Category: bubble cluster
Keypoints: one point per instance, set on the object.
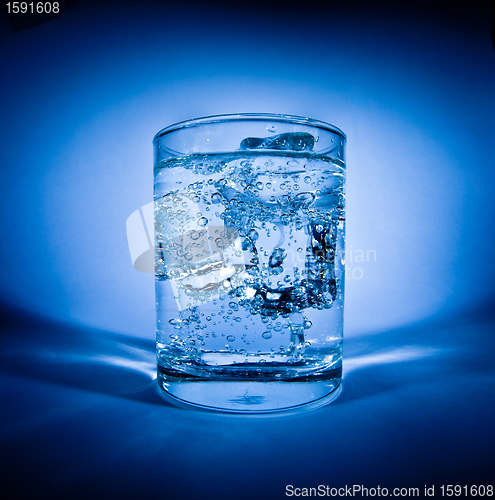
(266, 227)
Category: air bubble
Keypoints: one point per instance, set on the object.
(303, 199)
(253, 234)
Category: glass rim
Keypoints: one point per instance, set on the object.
(250, 116)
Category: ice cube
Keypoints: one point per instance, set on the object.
(289, 141)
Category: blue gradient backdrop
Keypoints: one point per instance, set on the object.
(412, 86)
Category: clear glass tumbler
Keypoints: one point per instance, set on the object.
(249, 261)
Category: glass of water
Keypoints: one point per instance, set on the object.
(249, 261)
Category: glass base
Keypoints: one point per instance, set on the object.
(250, 396)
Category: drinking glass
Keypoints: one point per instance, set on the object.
(249, 261)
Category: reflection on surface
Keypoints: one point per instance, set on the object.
(77, 357)
(125, 366)
(83, 411)
(398, 355)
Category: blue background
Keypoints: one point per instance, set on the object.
(412, 86)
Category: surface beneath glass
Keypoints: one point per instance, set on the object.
(84, 415)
